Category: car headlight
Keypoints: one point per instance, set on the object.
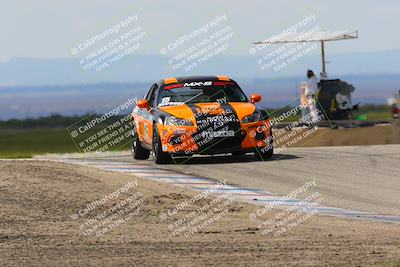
(252, 118)
(174, 121)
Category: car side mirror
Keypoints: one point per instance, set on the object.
(143, 103)
(254, 98)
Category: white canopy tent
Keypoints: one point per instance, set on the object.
(311, 36)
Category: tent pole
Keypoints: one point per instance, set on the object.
(323, 57)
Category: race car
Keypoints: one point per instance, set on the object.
(204, 115)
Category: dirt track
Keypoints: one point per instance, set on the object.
(38, 198)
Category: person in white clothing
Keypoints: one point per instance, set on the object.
(312, 82)
(305, 110)
(310, 92)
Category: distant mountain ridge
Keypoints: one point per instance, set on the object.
(35, 101)
(143, 68)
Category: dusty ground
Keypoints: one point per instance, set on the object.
(382, 134)
(37, 199)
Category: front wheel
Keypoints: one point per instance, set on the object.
(138, 152)
(268, 151)
(160, 157)
(265, 153)
(238, 154)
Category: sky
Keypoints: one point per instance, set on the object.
(49, 28)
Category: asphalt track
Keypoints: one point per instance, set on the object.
(354, 181)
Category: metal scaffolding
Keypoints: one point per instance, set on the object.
(311, 36)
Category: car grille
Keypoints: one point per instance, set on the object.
(219, 123)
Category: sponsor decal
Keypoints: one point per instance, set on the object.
(192, 84)
(216, 134)
(220, 118)
(197, 84)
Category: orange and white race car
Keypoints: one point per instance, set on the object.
(199, 115)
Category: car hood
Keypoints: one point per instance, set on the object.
(187, 111)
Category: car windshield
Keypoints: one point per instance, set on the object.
(200, 92)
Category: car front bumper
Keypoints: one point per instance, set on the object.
(185, 140)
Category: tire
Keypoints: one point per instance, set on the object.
(138, 152)
(264, 154)
(267, 152)
(160, 157)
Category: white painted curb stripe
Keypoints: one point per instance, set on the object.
(254, 196)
